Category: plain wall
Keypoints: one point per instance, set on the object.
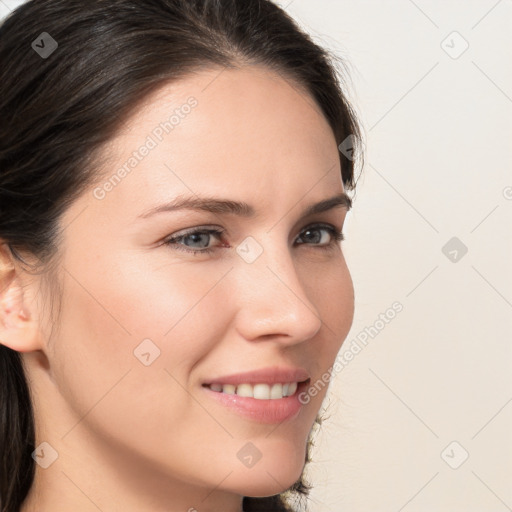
(433, 385)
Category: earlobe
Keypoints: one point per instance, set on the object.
(18, 330)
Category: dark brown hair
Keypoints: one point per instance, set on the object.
(58, 110)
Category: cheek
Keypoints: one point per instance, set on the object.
(129, 314)
(331, 291)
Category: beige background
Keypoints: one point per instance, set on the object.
(433, 385)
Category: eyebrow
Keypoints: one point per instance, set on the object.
(240, 208)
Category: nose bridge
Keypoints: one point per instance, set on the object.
(274, 300)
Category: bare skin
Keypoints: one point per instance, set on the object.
(132, 437)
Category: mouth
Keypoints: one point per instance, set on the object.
(260, 391)
(260, 402)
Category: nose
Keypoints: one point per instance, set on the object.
(273, 301)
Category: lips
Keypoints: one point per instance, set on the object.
(270, 411)
(270, 375)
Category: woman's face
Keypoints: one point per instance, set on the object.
(145, 324)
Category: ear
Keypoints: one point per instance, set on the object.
(18, 327)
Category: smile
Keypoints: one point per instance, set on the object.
(259, 391)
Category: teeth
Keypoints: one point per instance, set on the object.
(244, 390)
(229, 389)
(292, 387)
(258, 391)
(276, 391)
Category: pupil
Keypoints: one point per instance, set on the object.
(308, 232)
(194, 236)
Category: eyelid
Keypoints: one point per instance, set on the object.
(225, 231)
(209, 229)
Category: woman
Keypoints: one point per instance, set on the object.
(172, 197)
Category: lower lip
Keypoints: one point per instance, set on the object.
(263, 411)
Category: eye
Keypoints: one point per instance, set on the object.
(195, 235)
(202, 235)
(336, 235)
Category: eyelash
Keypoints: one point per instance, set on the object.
(337, 236)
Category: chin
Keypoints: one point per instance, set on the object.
(262, 482)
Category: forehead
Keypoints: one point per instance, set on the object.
(249, 130)
(226, 107)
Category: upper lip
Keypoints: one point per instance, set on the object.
(271, 375)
